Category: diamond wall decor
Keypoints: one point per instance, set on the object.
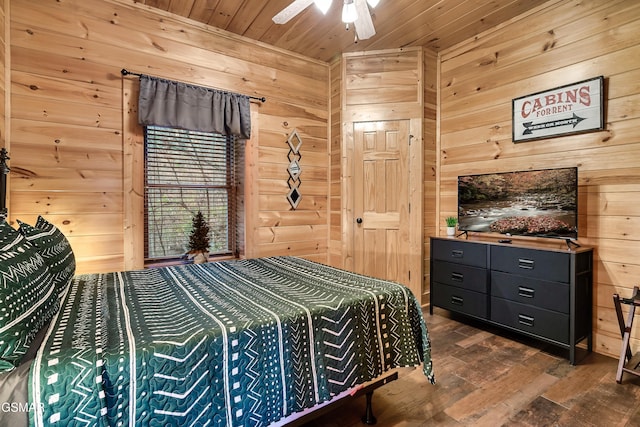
(294, 169)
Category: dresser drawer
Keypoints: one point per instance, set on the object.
(545, 265)
(537, 321)
(459, 251)
(462, 276)
(459, 300)
(525, 290)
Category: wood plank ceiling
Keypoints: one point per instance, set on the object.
(436, 24)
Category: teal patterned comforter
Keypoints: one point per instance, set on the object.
(235, 343)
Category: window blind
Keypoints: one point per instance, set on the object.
(186, 172)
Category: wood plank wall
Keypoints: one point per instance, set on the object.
(67, 129)
(559, 43)
(336, 239)
(429, 170)
(4, 27)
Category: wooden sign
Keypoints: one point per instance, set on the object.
(565, 110)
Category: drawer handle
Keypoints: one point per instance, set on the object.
(457, 300)
(526, 292)
(527, 264)
(457, 277)
(457, 253)
(525, 320)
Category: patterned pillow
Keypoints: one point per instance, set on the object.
(28, 295)
(7, 233)
(54, 248)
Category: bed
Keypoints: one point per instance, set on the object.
(250, 342)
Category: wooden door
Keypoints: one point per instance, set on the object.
(381, 199)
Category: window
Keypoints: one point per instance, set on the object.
(186, 172)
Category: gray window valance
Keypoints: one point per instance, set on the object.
(183, 106)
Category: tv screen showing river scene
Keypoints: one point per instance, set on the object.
(539, 203)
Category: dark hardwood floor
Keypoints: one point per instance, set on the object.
(488, 377)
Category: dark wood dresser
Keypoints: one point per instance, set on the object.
(543, 291)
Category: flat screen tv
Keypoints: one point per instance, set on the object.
(540, 203)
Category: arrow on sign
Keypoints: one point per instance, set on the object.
(530, 127)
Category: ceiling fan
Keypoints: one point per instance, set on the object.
(354, 12)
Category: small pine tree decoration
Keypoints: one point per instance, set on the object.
(199, 239)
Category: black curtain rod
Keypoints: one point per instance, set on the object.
(126, 72)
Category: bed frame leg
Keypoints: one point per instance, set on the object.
(368, 417)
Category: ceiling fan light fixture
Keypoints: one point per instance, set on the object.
(349, 12)
(323, 5)
(373, 3)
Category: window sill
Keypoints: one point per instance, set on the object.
(173, 262)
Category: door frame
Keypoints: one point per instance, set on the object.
(416, 230)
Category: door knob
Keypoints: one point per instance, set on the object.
(359, 220)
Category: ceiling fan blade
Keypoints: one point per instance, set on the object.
(286, 14)
(364, 23)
